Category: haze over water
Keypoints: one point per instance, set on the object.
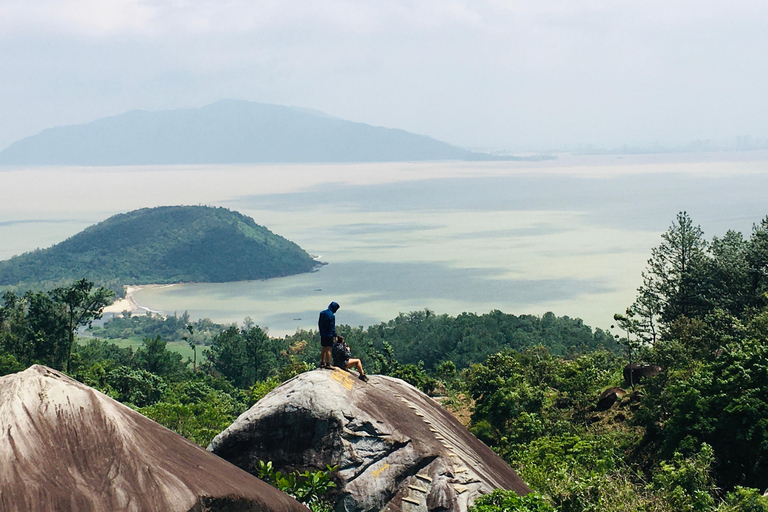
(570, 235)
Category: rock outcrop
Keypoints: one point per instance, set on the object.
(66, 447)
(609, 397)
(634, 373)
(396, 448)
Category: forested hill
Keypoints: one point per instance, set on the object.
(163, 245)
(226, 132)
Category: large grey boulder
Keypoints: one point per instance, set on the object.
(396, 448)
(65, 447)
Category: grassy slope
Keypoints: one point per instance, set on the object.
(181, 347)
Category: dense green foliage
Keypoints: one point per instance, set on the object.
(246, 355)
(521, 396)
(308, 487)
(508, 501)
(44, 285)
(692, 278)
(168, 244)
(41, 327)
(171, 328)
(708, 308)
(197, 408)
(467, 338)
(422, 338)
(720, 399)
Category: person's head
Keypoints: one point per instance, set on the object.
(339, 339)
(334, 306)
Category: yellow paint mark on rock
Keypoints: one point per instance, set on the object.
(378, 471)
(343, 378)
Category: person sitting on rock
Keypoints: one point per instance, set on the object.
(342, 357)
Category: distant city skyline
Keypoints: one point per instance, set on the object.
(738, 143)
(496, 74)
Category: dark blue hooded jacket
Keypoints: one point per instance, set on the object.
(326, 324)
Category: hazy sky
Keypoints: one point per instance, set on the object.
(483, 73)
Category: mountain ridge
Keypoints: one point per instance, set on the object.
(227, 132)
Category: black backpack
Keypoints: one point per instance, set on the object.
(340, 354)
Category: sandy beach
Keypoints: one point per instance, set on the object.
(129, 303)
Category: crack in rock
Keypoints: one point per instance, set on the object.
(378, 444)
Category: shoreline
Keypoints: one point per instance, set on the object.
(129, 304)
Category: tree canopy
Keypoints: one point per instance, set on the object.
(167, 244)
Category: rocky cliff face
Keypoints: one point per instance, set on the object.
(396, 448)
(66, 447)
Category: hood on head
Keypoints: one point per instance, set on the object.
(333, 306)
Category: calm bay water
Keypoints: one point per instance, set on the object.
(569, 235)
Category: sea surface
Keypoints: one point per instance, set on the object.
(569, 235)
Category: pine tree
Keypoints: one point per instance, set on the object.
(671, 285)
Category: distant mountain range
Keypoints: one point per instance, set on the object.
(227, 132)
(167, 244)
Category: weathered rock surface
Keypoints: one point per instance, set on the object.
(609, 397)
(396, 448)
(66, 447)
(634, 373)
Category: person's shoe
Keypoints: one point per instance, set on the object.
(363, 377)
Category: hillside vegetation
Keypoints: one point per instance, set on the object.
(543, 392)
(167, 244)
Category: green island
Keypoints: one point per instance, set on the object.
(167, 244)
(551, 395)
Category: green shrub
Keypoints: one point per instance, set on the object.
(9, 364)
(744, 499)
(260, 389)
(686, 483)
(583, 473)
(309, 487)
(137, 387)
(508, 501)
(416, 376)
